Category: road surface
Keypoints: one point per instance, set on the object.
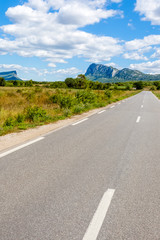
(96, 179)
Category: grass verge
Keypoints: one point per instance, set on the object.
(23, 108)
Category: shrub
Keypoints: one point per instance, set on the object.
(63, 101)
(36, 114)
(153, 88)
(2, 82)
(29, 83)
(19, 91)
(20, 118)
(85, 96)
(58, 84)
(10, 122)
(67, 112)
(139, 85)
(15, 83)
(54, 98)
(108, 93)
(158, 87)
(128, 87)
(78, 108)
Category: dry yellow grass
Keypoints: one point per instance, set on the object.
(15, 100)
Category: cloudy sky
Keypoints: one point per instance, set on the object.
(49, 40)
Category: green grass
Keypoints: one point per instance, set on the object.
(156, 93)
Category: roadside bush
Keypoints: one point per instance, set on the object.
(158, 87)
(67, 112)
(108, 93)
(35, 114)
(139, 85)
(10, 122)
(20, 118)
(153, 88)
(85, 97)
(78, 108)
(64, 101)
(54, 98)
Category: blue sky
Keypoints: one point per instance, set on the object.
(49, 40)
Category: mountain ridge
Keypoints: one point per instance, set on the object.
(102, 73)
(10, 75)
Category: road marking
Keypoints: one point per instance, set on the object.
(119, 103)
(20, 147)
(138, 119)
(101, 111)
(80, 121)
(112, 106)
(141, 106)
(99, 216)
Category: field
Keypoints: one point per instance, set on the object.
(157, 93)
(27, 107)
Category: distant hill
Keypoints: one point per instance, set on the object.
(11, 75)
(102, 73)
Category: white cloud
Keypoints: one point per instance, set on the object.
(80, 14)
(136, 48)
(17, 66)
(54, 35)
(68, 71)
(150, 9)
(147, 67)
(130, 24)
(51, 65)
(22, 70)
(143, 43)
(134, 56)
(116, 1)
(112, 64)
(156, 54)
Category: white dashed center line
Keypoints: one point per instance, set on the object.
(101, 111)
(80, 121)
(138, 119)
(99, 216)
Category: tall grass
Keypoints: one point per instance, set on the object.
(22, 108)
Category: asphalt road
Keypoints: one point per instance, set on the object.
(96, 179)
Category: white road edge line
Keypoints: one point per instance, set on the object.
(112, 106)
(141, 106)
(119, 103)
(138, 119)
(80, 121)
(99, 216)
(20, 147)
(101, 111)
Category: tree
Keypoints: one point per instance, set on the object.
(29, 83)
(139, 85)
(15, 83)
(2, 81)
(81, 81)
(70, 82)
